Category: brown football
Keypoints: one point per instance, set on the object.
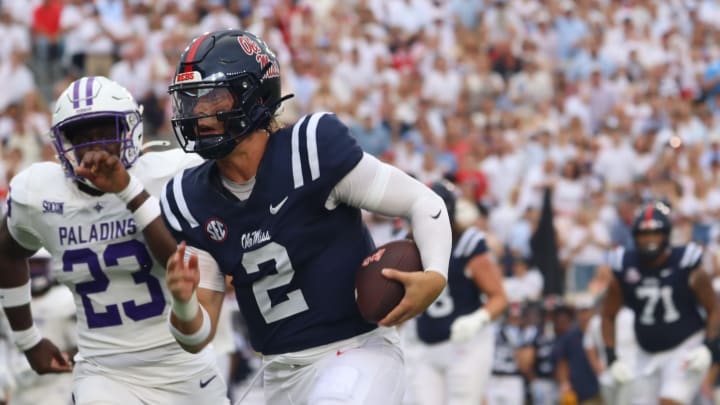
(375, 294)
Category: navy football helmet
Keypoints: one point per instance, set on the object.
(216, 64)
(653, 217)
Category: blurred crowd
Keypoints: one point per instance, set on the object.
(603, 103)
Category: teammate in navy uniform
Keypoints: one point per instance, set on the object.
(457, 339)
(278, 210)
(512, 358)
(668, 292)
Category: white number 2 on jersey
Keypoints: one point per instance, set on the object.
(652, 295)
(295, 302)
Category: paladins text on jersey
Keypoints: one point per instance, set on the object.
(81, 234)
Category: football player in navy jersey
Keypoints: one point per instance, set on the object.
(278, 210)
(455, 333)
(668, 292)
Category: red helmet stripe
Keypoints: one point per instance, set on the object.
(190, 56)
(649, 213)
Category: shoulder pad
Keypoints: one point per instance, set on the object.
(616, 259)
(691, 256)
(471, 243)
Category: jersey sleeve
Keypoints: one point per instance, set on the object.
(172, 202)
(323, 151)
(692, 256)
(21, 212)
(471, 243)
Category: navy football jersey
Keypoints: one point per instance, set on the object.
(508, 339)
(460, 297)
(543, 342)
(666, 310)
(292, 259)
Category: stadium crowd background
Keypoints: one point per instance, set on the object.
(604, 103)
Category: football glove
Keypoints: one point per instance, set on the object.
(466, 326)
(620, 372)
(698, 359)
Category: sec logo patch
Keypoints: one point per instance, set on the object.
(216, 230)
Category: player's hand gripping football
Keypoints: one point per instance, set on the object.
(421, 289)
(46, 358)
(104, 170)
(182, 276)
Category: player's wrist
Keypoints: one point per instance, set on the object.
(27, 339)
(713, 344)
(147, 212)
(132, 190)
(195, 338)
(610, 355)
(186, 310)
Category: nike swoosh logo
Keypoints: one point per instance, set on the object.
(275, 208)
(204, 384)
(436, 216)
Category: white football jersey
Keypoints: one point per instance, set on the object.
(99, 252)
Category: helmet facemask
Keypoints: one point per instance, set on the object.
(68, 138)
(87, 106)
(650, 249)
(243, 113)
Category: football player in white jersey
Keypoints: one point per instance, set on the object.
(126, 354)
(54, 313)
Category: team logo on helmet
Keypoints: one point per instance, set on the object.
(216, 230)
(263, 55)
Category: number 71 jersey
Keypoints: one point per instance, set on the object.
(665, 307)
(98, 252)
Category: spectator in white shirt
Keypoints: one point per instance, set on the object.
(525, 283)
(584, 248)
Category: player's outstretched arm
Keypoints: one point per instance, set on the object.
(610, 308)
(195, 311)
(43, 356)
(108, 174)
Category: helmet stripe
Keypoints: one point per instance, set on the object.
(76, 93)
(88, 90)
(190, 56)
(649, 213)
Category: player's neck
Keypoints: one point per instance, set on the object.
(243, 162)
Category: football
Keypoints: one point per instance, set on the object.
(375, 294)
